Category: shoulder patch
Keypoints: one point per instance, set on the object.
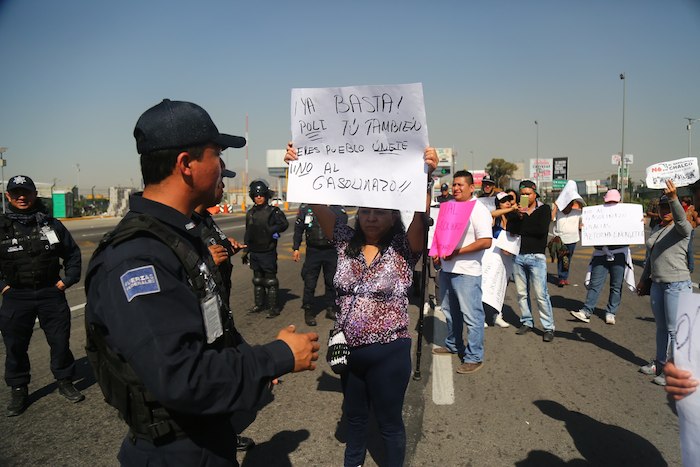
(140, 281)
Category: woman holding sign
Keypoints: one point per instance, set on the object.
(667, 268)
(375, 270)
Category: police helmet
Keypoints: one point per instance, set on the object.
(259, 188)
(444, 187)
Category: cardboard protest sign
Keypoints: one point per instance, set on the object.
(686, 356)
(452, 220)
(359, 146)
(615, 224)
(683, 172)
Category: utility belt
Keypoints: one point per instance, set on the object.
(35, 285)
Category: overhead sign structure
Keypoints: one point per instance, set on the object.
(629, 159)
(618, 224)
(683, 172)
(359, 146)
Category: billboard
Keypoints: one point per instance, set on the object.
(541, 170)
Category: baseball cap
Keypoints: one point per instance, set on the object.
(664, 200)
(612, 196)
(21, 181)
(487, 179)
(502, 197)
(226, 173)
(179, 124)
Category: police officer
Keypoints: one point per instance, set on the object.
(159, 337)
(221, 249)
(444, 193)
(263, 226)
(320, 253)
(32, 245)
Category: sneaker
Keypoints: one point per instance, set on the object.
(609, 318)
(548, 336)
(566, 282)
(500, 322)
(486, 324)
(561, 283)
(442, 351)
(649, 368)
(67, 390)
(469, 367)
(581, 316)
(524, 329)
(659, 379)
(244, 443)
(19, 401)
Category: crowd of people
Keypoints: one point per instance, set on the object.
(161, 336)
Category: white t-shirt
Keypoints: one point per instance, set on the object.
(479, 226)
(566, 226)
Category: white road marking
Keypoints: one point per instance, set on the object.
(77, 307)
(443, 374)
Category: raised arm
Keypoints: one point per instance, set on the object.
(416, 232)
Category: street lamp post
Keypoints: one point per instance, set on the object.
(621, 178)
(537, 153)
(689, 127)
(2, 174)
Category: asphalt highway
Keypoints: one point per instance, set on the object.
(576, 401)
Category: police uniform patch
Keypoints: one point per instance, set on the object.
(140, 281)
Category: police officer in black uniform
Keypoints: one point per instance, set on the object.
(444, 193)
(320, 253)
(32, 245)
(263, 226)
(159, 336)
(221, 249)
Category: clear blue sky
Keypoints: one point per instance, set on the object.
(76, 75)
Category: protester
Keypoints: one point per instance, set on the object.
(530, 265)
(488, 187)
(460, 281)
(375, 270)
(32, 247)
(505, 207)
(263, 225)
(444, 193)
(566, 216)
(667, 266)
(653, 213)
(159, 337)
(320, 254)
(612, 260)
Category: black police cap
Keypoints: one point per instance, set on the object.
(178, 124)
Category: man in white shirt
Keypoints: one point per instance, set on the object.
(460, 281)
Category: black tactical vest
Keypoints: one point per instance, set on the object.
(257, 224)
(120, 385)
(314, 233)
(28, 260)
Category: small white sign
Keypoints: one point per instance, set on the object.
(616, 224)
(683, 172)
(359, 146)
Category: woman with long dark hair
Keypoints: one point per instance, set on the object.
(375, 270)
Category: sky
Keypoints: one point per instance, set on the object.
(75, 75)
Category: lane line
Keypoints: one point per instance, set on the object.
(442, 372)
(77, 307)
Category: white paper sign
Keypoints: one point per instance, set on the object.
(495, 269)
(359, 146)
(686, 356)
(434, 211)
(615, 224)
(506, 241)
(683, 172)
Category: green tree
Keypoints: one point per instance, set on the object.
(500, 170)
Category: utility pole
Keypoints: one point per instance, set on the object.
(623, 172)
(689, 127)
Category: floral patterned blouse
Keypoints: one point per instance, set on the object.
(373, 300)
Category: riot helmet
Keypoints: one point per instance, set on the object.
(259, 188)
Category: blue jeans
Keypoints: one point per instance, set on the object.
(377, 378)
(600, 268)
(664, 304)
(530, 273)
(462, 303)
(563, 275)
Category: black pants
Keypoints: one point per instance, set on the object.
(317, 259)
(265, 261)
(18, 313)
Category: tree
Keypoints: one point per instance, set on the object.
(500, 170)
